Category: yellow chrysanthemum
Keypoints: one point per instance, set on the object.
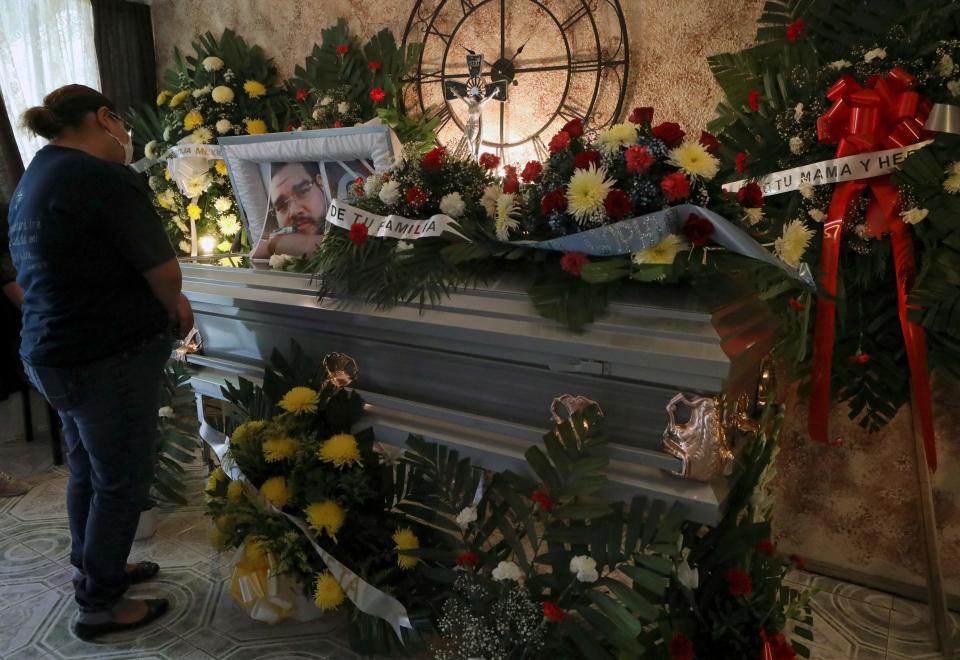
(166, 173)
(406, 540)
(256, 126)
(663, 253)
(193, 211)
(254, 89)
(585, 194)
(192, 120)
(617, 136)
(326, 516)
(793, 242)
(162, 97)
(277, 449)
(166, 199)
(234, 491)
(215, 478)
(246, 432)
(179, 98)
(328, 594)
(694, 159)
(221, 167)
(275, 491)
(300, 400)
(341, 450)
(254, 550)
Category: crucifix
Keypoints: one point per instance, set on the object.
(475, 93)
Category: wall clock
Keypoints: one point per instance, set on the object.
(557, 59)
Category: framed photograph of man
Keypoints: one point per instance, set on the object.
(285, 182)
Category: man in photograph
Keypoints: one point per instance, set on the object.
(299, 204)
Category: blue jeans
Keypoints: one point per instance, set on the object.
(109, 413)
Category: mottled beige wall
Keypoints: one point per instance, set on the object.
(852, 506)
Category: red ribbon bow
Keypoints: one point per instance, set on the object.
(884, 114)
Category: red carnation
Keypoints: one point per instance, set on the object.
(433, 159)
(468, 559)
(542, 499)
(415, 196)
(766, 547)
(377, 94)
(559, 142)
(555, 200)
(741, 162)
(859, 358)
(709, 142)
(338, 124)
(750, 196)
(739, 582)
(669, 132)
(795, 29)
(796, 304)
(489, 161)
(585, 159)
(681, 648)
(531, 171)
(617, 204)
(697, 229)
(753, 100)
(358, 184)
(642, 115)
(358, 233)
(573, 128)
(573, 263)
(675, 186)
(798, 562)
(374, 65)
(302, 95)
(342, 49)
(511, 184)
(780, 648)
(292, 126)
(552, 612)
(639, 159)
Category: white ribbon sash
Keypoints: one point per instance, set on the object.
(345, 216)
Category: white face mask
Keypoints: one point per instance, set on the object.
(126, 146)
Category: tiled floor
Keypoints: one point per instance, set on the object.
(36, 604)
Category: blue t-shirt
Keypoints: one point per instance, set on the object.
(82, 233)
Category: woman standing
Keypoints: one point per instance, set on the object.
(101, 292)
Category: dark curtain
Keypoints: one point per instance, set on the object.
(11, 164)
(123, 34)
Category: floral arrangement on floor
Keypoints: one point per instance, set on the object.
(224, 88)
(889, 258)
(176, 437)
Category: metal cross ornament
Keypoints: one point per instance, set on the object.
(475, 93)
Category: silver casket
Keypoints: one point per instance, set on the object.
(479, 371)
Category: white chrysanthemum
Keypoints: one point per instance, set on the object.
(817, 215)
(753, 216)
(840, 64)
(184, 247)
(150, 149)
(466, 516)
(154, 183)
(585, 568)
(278, 261)
(317, 114)
(796, 144)
(404, 246)
(212, 63)
(166, 134)
(663, 253)
(343, 107)
(181, 225)
(197, 185)
(914, 215)
(617, 136)
(505, 220)
(954, 87)
(489, 200)
(371, 185)
(953, 169)
(806, 190)
(223, 204)
(586, 192)
(507, 570)
(229, 225)
(223, 126)
(166, 411)
(390, 192)
(222, 94)
(874, 54)
(793, 243)
(453, 205)
(946, 66)
(202, 135)
(798, 112)
(325, 101)
(952, 184)
(688, 577)
(694, 159)
(201, 91)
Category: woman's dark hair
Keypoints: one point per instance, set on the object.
(62, 108)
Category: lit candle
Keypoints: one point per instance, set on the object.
(207, 244)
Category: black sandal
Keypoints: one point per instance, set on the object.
(144, 571)
(156, 607)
